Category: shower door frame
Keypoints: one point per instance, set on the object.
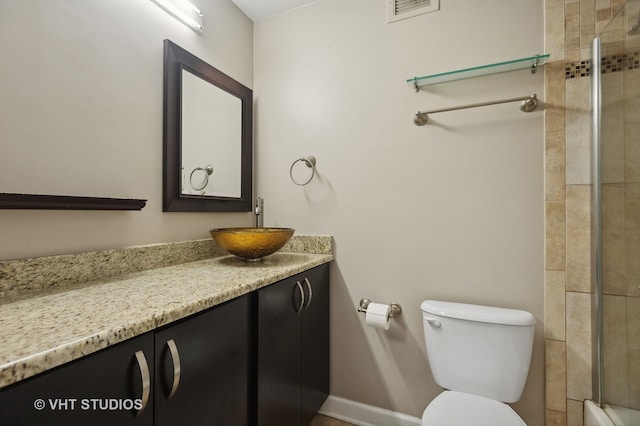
(596, 222)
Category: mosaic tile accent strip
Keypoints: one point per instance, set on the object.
(580, 69)
(611, 63)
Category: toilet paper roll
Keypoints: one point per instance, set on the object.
(378, 315)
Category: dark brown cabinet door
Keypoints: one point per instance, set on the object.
(293, 348)
(202, 368)
(315, 344)
(104, 388)
(279, 340)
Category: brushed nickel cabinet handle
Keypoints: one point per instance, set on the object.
(175, 357)
(301, 290)
(146, 380)
(306, 280)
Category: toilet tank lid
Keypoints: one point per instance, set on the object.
(479, 313)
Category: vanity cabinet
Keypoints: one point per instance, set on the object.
(202, 368)
(259, 359)
(205, 370)
(293, 348)
(98, 389)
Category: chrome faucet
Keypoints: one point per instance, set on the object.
(259, 211)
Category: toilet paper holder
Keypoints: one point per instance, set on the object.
(395, 311)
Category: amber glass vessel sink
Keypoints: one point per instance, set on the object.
(251, 243)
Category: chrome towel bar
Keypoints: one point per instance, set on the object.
(527, 104)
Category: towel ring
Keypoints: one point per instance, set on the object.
(207, 172)
(310, 161)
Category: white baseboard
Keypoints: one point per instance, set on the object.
(364, 415)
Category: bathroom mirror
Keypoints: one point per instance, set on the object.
(208, 133)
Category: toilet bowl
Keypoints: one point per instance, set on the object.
(452, 408)
(481, 356)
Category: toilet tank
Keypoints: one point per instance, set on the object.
(476, 349)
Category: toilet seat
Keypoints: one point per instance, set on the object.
(452, 408)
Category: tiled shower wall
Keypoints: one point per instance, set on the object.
(570, 26)
(621, 224)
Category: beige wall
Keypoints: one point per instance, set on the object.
(450, 211)
(570, 26)
(81, 114)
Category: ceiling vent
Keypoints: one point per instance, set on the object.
(402, 9)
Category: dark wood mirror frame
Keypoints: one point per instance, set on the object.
(175, 60)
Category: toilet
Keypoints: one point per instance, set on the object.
(480, 355)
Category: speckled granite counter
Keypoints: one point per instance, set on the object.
(50, 327)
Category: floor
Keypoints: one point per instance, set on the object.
(321, 420)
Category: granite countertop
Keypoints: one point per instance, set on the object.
(46, 329)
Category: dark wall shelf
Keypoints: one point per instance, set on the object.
(65, 202)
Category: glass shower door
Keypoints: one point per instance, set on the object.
(616, 84)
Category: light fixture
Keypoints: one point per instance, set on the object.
(184, 11)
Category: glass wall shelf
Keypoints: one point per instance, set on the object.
(531, 62)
